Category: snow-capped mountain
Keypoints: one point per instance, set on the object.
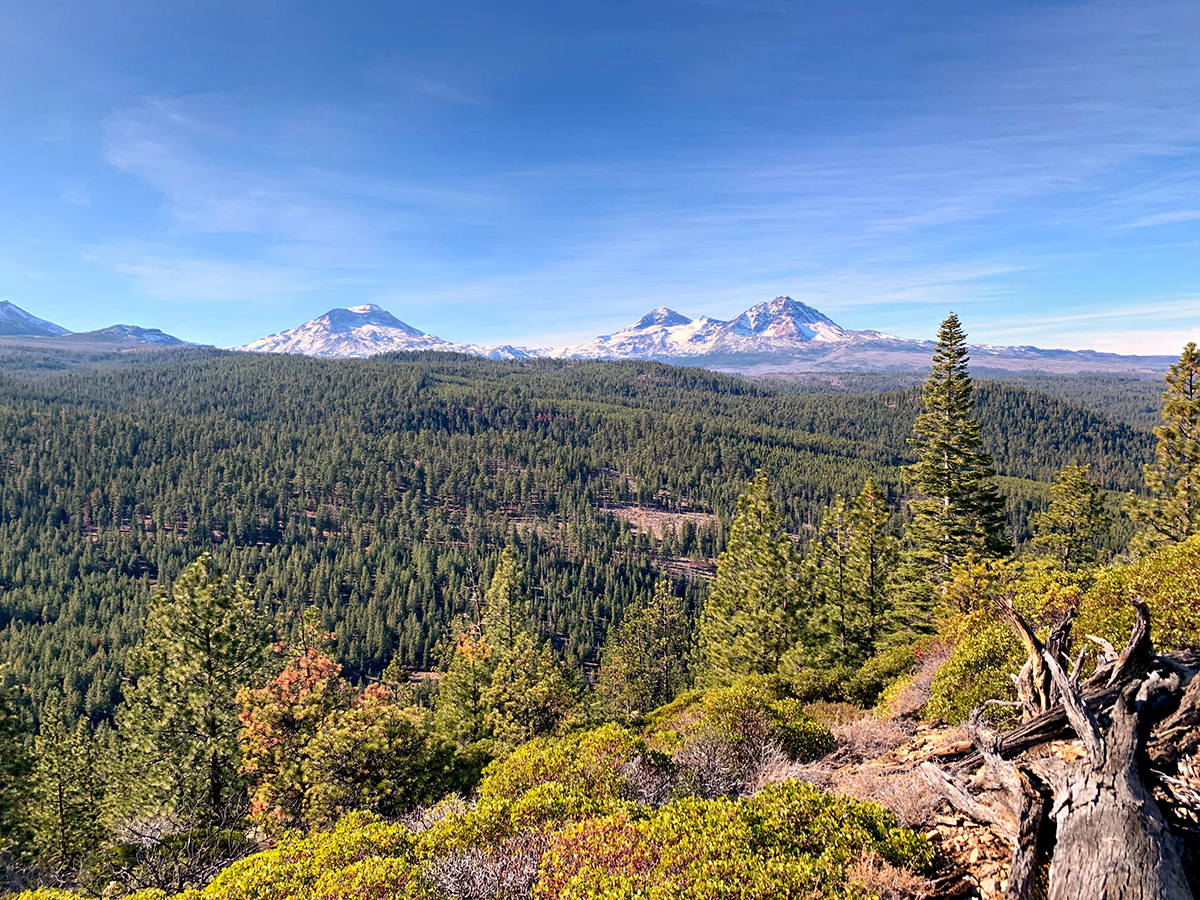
(661, 332)
(357, 331)
(783, 335)
(775, 326)
(365, 331)
(778, 335)
(15, 321)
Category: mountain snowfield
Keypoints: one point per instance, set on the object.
(15, 321)
(780, 325)
(365, 331)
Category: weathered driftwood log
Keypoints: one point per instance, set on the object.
(1086, 827)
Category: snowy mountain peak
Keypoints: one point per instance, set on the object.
(660, 317)
(15, 321)
(368, 314)
(786, 319)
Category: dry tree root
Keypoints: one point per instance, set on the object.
(1087, 824)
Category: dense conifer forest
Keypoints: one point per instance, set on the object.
(432, 626)
(382, 490)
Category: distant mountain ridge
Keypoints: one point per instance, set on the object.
(776, 336)
(16, 322)
(779, 335)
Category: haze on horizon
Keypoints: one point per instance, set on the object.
(535, 173)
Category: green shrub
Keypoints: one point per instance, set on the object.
(291, 869)
(544, 783)
(978, 669)
(860, 685)
(746, 716)
(1169, 582)
(803, 737)
(812, 684)
(790, 840)
(877, 673)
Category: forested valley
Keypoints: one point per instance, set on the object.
(428, 625)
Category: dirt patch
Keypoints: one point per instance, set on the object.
(656, 520)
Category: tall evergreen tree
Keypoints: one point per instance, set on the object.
(1069, 530)
(829, 573)
(460, 709)
(1172, 512)
(643, 664)
(203, 641)
(752, 615)
(14, 771)
(874, 557)
(958, 510)
(67, 790)
(505, 610)
(528, 695)
(852, 566)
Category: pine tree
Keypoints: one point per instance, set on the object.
(958, 510)
(752, 616)
(874, 558)
(460, 709)
(1069, 530)
(505, 610)
(14, 771)
(279, 720)
(528, 695)
(643, 663)
(851, 566)
(829, 570)
(67, 791)
(203, 641)
(1172, 512)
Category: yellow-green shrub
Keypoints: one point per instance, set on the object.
(291, 869)
(790, 840)
(1169, 582)
(746, 715)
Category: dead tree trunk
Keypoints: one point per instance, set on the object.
(1089, 827)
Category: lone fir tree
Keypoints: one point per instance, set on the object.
(957, 511)
(1172, 511)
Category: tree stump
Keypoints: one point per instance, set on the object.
(1088, 828)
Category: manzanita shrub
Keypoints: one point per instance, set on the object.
(748, 715)
(790, 840)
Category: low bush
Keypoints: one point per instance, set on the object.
(985, 655)
(1169, 582)
(789, 840)
(292, 868)
(860, 685)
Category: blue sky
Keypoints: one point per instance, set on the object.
(540, 173)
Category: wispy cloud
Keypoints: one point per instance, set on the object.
(1167, 218)
(206, 280)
